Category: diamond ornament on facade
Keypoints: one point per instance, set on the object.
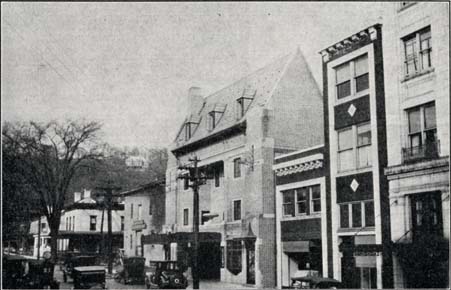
(351, 110)
(354, 185)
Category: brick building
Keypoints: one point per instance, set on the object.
(301, 225)
(416, 63)
(236, 132)
(355, 157)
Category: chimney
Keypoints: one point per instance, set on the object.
(195, 100)
(86, 193)
(77, 196)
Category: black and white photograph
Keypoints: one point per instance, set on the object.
(225, 145)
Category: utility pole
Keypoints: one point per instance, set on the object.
(39, 237)
(109, 202)
(195, 178)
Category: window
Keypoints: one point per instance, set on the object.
(344, 216)
(308, 201)
(218, 172)
(417, 51)
(345, 150)
(187, 131)
(288, 203)
(67, 224)
(131, 211)
(236, 210)
(352, 77)
(211, 120)
(234, 256)
(426, 213)
(185, 216)
(73, 223)
(131, 241)
(92, 222)
(244, 102)
(150, 208)
(139, 211)
(354, 147)
(369, 213)
(363, 146)
(302, 197)
(316, 198)
(122, 223)
(422, 130)
(368, 277)
(185, 182)
(237, 167)
(343, 79)
(357, 214)
(361, 74)
(422, 134)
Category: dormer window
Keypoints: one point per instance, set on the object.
(215, 115)
(188, 131)
(190, 127)
(244, 102)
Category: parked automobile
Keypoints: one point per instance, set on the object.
(165, 274)
(86, 277)
(23, 273)
(312, 282)
(131, 271)
(72, 260)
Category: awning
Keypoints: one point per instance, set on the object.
(296, 247)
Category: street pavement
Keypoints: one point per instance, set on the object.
(111, 284)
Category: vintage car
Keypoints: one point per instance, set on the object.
(314, 282)
(131, 271)
(86, 277)
(72, 260)
(165, 274)
(24, 273)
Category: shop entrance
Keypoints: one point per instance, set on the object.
(210, 260)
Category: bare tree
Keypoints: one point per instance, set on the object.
(50, 155)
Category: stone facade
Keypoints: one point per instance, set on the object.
(276, 109)
(418, 168)
(144, 214)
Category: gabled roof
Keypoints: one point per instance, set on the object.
(259, 85)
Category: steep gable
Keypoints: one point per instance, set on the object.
(254, 90)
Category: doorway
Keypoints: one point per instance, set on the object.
(250, 262)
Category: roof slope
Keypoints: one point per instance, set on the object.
(261, 82)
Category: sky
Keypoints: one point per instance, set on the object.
(130, 65)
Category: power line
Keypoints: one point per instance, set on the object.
(40, 54)
(53, 53)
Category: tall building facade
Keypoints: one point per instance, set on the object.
(357, 203)
(236, 132)
(416, 65)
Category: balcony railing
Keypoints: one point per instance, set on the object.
(426, 151)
